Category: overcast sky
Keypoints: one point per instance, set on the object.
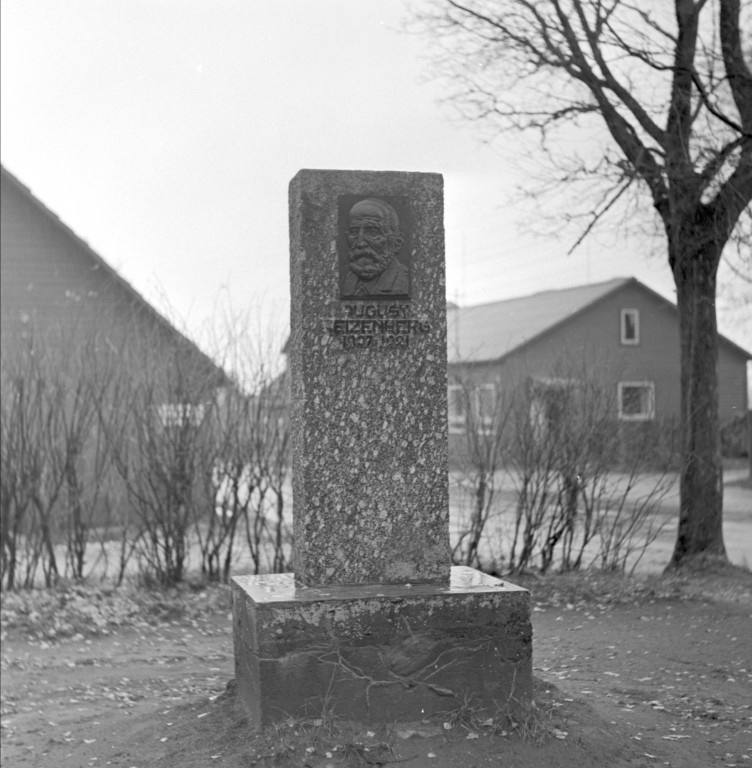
(165, 132)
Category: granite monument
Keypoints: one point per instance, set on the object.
(375, 623)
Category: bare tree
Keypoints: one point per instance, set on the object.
(674, 94)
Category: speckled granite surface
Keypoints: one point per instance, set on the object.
(371, 624)
(368, 378)
(380, 654)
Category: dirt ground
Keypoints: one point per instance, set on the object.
(646, 672)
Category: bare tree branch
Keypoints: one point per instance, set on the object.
(674, 94)
(737, 71)
(600, 213)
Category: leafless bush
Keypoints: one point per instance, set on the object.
(579, 490)
(161, 454)
(479, 415)
(117, 446)
(583, 486)
(252, 465)
(25, 485)
(54, 459)
(248, 486)
(626, 508)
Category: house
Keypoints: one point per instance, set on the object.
(56, 290)
(619, 332)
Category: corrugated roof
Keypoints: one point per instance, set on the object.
(491, 331)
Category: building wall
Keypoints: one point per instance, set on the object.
(45, 274)
(732, 384)
(590, 343)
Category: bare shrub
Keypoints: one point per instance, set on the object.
(480, 413)
(252, 461)
(626, 509)
(54, 458)
(247, 484)
(163, 451)
(121, 443)
(25, 483)
(580, 489)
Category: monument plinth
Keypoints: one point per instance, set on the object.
(374, 623)
(368, 379)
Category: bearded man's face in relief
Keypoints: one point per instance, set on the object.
(372, 244)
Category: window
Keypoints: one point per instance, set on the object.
(485, 405)
(630, 326)
(551, 400)
(181, 414)
(457, 408)
(476, 407)
(636, 400)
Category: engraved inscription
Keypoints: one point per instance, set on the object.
(372, 242)
(377, 326)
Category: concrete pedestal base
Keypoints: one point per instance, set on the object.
(380, 653)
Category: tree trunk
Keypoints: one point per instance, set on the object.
(700, 534)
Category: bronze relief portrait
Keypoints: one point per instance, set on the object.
(373, 248)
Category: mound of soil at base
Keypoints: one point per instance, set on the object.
(562, 733)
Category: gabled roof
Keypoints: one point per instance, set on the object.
(100, 264)
(491, 331)
(136, 300)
